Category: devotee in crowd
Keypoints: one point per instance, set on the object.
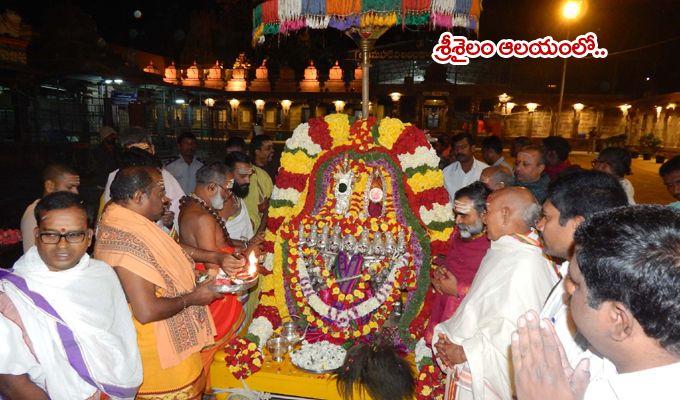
(135, 157)
(492, 152)
(465, 169)
(670, 173)
(253, 199)
(262, 153)
(616, 162)
(235, 210)
(169, 310)
(497, 177)
(185, 166)
(261, 184)
(138, 138)
(65, 324)
(637, 330)
(107, 155)
(474, 345)
(453, 276)
(235, 143)
(56, 178)
(518, 144)
(556, 150)
(529, 167)
(443, 148)
(573, 198)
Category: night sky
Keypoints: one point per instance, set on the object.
(224, 26)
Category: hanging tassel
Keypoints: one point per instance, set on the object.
(314, 7)
(289, 9)
(270, 12)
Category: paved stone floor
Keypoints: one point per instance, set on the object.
(649, 187)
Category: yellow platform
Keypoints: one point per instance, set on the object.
(278, 378)
(275, 377)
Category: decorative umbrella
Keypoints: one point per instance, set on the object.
(364, 20)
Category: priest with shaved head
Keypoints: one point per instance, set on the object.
(473, 346)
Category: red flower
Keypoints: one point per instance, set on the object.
(319, 133)
(269, 312)
(286, 179)
(242, 357)
(411, 138)
(436, 195)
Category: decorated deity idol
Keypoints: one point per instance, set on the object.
(358, 212)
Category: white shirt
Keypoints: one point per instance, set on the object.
(513, 277)
(556, 309)
(455, 178)
(28, 224)
(660, 383)
(630, 191)
(172, 190)
(185, 173)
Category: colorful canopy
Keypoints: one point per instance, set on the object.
(283, 16)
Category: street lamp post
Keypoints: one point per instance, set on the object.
(571, 10)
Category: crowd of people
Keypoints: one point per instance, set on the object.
(555, 285)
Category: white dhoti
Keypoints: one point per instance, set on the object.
(71, 331)
(240, 227)
(513, 278)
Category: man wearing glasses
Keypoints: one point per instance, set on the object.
(64, 319)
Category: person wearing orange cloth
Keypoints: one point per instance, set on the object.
(169, 310)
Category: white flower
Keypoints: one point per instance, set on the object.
(318, 305)
(422, 156)
(438, 213)
(288, 194)
(262, 328)
(319, 356)
(301, 140)
(269, 261)
(342, 317)
(422, 351)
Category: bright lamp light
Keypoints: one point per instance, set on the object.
(572, 9)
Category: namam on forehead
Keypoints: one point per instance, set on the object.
(463, 205)
(245, 170)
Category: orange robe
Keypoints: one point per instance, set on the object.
(170, 348)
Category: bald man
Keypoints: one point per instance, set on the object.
(497, 177)
(473, 347)
(530, 171)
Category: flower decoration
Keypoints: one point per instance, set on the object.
(242, 358)
(301, 281)
(10, 237)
